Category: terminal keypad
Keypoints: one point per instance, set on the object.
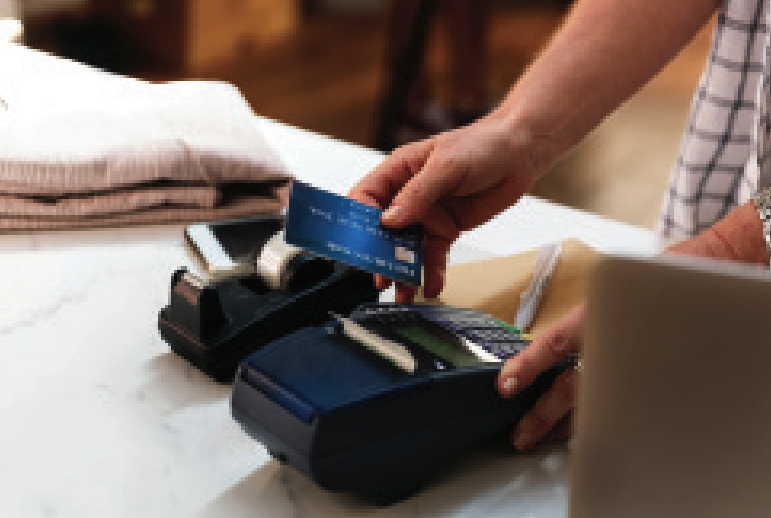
(494, 336)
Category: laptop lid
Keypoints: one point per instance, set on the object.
(674, 410)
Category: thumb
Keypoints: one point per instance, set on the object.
(564, 338)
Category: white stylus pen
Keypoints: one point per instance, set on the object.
(544, 266)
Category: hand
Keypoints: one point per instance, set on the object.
(552, 414)
(451, 183)
(738, 237)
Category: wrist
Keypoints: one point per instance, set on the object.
(737, 237)
(542, 145)
(742, 231)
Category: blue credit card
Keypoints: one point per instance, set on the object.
(350, 232)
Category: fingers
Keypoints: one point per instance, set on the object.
(435, 254)
(436, 178)
(379, 187)
(408, 182)
(562, 431)
(435, 251)
(519, 372)
(382, 282)
(440, 235)
(550, 409)
(404, 293)
(544, 352)
(486, 204)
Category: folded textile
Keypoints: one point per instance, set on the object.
(95, 150)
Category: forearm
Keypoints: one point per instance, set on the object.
(606, 50)
(737, 237)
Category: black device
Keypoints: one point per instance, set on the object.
(251, 246)
(228, 248)
(376, 403)
(257, 289)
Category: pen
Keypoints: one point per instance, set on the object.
(543, 268)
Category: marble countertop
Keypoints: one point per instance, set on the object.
(98, 418)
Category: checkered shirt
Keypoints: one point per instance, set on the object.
(724, 156)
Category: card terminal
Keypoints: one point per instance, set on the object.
(353, 418)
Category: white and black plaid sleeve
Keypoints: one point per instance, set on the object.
(728, 127)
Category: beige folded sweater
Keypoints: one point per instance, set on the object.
(82, 148)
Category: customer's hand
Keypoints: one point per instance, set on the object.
(551, 417)
(451, 183)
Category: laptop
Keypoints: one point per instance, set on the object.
(674, 410)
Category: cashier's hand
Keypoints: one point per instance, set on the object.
(451, 183)
(551, 417)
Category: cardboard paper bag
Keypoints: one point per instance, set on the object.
(494, 285)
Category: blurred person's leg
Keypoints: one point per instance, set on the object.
(409, 110)
(469, 23)
(403, 19)
(406, 111)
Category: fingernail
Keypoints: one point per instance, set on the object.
(509, 384)
(392, 214)
(523, 441)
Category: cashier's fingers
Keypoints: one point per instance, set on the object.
(551, 408)
(561, 432)
(564, 338)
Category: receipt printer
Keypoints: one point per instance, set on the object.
(377, 402)
(250, 298)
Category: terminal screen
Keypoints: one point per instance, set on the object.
(450, 351)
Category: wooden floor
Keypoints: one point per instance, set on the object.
(327, 78)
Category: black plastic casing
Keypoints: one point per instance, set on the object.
(382, 435)
(216, 326)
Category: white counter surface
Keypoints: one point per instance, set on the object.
(99, 419)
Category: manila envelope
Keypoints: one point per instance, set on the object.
(494, 285)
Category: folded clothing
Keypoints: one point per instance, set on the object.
(96, 150)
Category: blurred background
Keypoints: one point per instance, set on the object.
(377, 73)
